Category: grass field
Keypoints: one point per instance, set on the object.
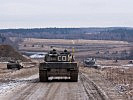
(83, 48)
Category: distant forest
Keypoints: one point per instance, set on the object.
(110, 33)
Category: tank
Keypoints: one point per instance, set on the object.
(14, 65)
(58, 65)
(90, 62)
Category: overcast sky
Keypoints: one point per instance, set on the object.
(65, 13)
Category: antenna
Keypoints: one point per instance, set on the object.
(73, 47)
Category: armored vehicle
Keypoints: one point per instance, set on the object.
(14, 65)
(90, 62)
(58, 65)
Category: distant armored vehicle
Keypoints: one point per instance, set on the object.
(58, 65)
(14, 65)
(90, 62)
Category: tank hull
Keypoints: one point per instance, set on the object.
(58, 69)
(14, 66)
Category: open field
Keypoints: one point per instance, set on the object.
(78, 41)
(82, 48)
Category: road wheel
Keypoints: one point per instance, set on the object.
(43, 76)
(74, 76)
(18, 67)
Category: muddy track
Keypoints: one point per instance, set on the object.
(32, 89)
(92, 90)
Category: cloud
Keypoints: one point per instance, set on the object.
(46, 13)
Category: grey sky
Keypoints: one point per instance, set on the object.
(65, 13)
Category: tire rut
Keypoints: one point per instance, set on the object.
(25, 92)
(51, 93)
(91, 89)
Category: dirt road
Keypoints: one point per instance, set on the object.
(34, 90)
(31, 89)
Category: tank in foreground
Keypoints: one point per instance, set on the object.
(58, 65)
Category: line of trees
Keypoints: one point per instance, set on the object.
(2, 39)
(124, 34)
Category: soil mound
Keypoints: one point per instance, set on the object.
(7, 53)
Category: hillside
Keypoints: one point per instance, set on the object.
(8, 53)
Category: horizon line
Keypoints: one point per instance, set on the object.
(68, 27)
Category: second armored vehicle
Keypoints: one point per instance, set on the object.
(14, 65)
(90, 62)
(58, 65)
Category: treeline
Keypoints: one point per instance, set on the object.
(2, 39)
(53, 30)
(111, 33)
(5, 40)
(125, 34)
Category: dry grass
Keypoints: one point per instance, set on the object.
(79, 41)
(120, 76)
(12, 74)
(9, 74)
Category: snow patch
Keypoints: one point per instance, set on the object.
(8, 87)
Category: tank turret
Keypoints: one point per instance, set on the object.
(54, 56)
